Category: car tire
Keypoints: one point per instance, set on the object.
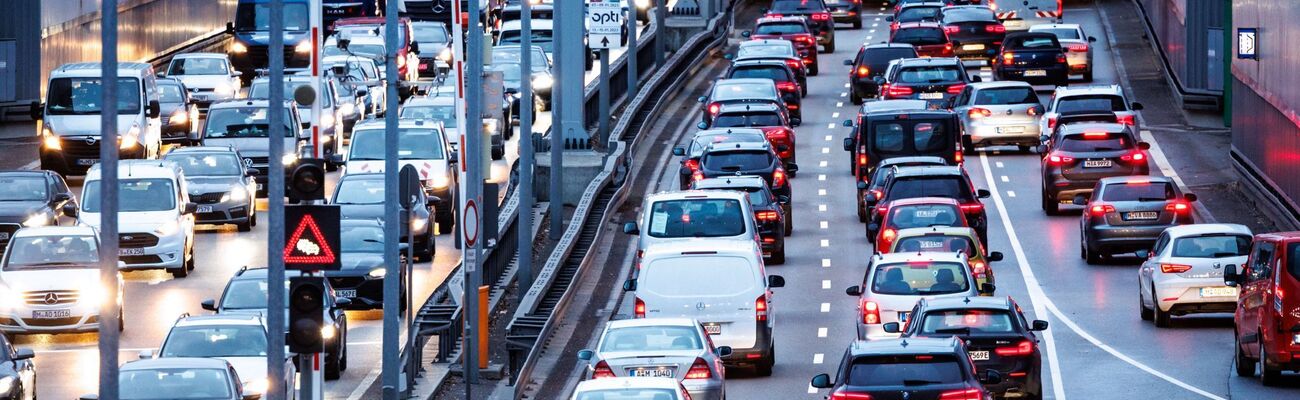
(854, 98)
(814, 70)
(862, 213)
(1050, 206)
(1161, 318)
(1245, 366)
(830, 46)
(1025, 149)
(857, 23)
(789, 223)
(446, 224)
(764, 367)
(498, 153)
(252, 218)
(778, 254)
(181, 272)
(425, 252)
(332, 371)
(121, 321)
(1268, 376)
(1143, 312)
(1091, 255)
(1087, 75)
(245, 226)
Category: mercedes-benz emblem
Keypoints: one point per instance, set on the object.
(1008, 111)
(1217, 266)
(438, 8)
(51, 298)
(90, 140)
(128, 237)
(248, 162)
(699, 306)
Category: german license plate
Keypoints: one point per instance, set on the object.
(131, 251)
(51, 314)
(1036, 72)
(931, 96)
(1225, 291)
(981, 355)
(1098, 163)
(652, 372)
(349, 293)
(205, 209)
(1141, 215)
(1010, 129)
(902, 316)
(713, 329)
(87, 161)
(972, 47)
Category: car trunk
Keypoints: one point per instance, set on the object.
(1092, 166)
(721, 297)
(1011, 113)
(1025, 58)
(757, 163)
(985, 33)
(659, 364)
(983, 350)
(1141, 213)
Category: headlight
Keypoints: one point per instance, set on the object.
(440, 181)
(224, 89)
(168, 228)
(543, 82)
(445, 55)
(238, 194)
(94, 295)
(10, 298)
(179, 117)
(6, 384)
(401, 61)
(236, 47)
(131, 138)
(418, 224)
(326, 120)
(491, 127)
(327, 332)
(257, 386)
(378, 272)
(303, 47)
(642, 4)
(289, 159)
(37, 220)
(51, 141)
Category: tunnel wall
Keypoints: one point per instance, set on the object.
(1265, 126)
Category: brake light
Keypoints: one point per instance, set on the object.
(958, 157)
(1023, 348)
(887, 237)
(694, 165)
(1128, 119)
(697, 176)
(1077, 47)
(699, 370)
(956, 88)
(602, 370)
(776, 15)
(1033, 111)
(863, 71)
(1137, 157)
(973, 207)
(947, 48)
(898, 91)
(640, 308)
(805, 39)
(870, 312)
(1060, 58)
(977, 269)
(794, 63)
(768, 215)
(962, 394)
(1008, 58)
(1051, 122)
(1101, 209)
(1178, 207)
(877, 194)
(787, 86)
(880, 209)
(1057, 159)
(1174, 268)
(760, 307)
(850, 396)
(862, 160)
(995, 28)
(821, 17)
(778, 178)
(714, 108)
(977, 113)
(950, 29)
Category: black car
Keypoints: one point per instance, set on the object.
(849, 11)
(914, 368)
(914, 12)
(361, 196)
(691, 152)
(997, 335)
(32, 198)
(786, 82)
(246, 293)
(935, 80)
(1128, 213)
(901, 128)
(771, 119)
(221, 185)
(935, 181)
(780, 50)
(434, 42)
(1079, 155)
(975, 31)
(1034, 57)
(739, 91)
(361, 279)
(869, 64)
(17, 366)
(872, 188)
(770, 212)
(817, 14)
(179, 116)
(758, 159)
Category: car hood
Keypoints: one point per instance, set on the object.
(249, 368)
(133, 221)
(51, 279)
(18, 211)
(203, 82)
(86, 125)
(361, 261)
(212, 184)
(251, 147)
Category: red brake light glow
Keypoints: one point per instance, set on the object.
(694, 165)
(821, 16)
(962, 394)
(1095, 135)
(1056, 159)
(850, 396)
(898, 91)
(778, 178)
(977, 113)
(699, 370)
(768, 215)
(1174, 268)
(995, 28)
(602, 370)
(787, 86)
(956, 88)
(1023, 348)
(1137, 157)
(863, 71)
(1179, 207)
(1101, 209)
(1126, 119)
(950, 29)
(760, 307)
(1077, 47)
(640, 308)
(1008, 58)
(870, 312)
(977, 268)
(714, 108)
(1051, 122)
(1060, 58)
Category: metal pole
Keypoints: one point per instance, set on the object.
(108, 189)
(473, 145)
(661, 9)
(526, 151)
(632, 75)
(307, 376)
(317, 137)
(603, 97)
(568, 100)
(391, 330)
(275, 199)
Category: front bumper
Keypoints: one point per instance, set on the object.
(844, 13)
(366, 292)
(1064, 190)
(81, 318)
(76, 156)
(224, 213)
(1183, 295)
(991, 132)
(167, 253)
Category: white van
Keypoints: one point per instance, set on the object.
(70, 133)
(155, 215)
(694, 214)
(1019, 15)
(721, 283)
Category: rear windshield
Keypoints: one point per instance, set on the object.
(904, 370)
(1032, 43)
(879, 57)
(948, 186)
(746, 120)
(919, 13)
(970, 14)
(1006, 96)
(932, 74)
(1212, 246)
(766, 50)
(772, 72)
(1095, 142)
(652, 338)
(780, 28)
(734, 91)
(737, 160)
(920, 278)
(968, 322)
(920, 36)
(939, 243)
(1144, 191)
(696, 218)
(1061, 33)
(924, 215)
(719, 276)
(1100, 102)
(797, 6)
(702, 142)
(926, 137)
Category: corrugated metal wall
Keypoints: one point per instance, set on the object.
(1168, 20)
(20, 21)
(1183, 29)
(1265, 127)
(1268, 138)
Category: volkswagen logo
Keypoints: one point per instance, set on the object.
(907, 395)
(248, 162)
(90, 141)
(51, 298)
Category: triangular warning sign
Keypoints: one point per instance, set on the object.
(311, 250)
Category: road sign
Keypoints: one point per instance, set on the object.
(604, 24)
(469, 223)
(313, 240)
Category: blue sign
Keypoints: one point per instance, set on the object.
(1248, 43)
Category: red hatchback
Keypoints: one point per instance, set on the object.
(917, 212)
(929, 38)
(1267, 318)
(793, 29)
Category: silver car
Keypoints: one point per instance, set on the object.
(677, 348)
(220, 183)
(895, 281)
(999, 113)
(179, 378)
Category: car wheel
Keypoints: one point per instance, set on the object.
(1087, 75)
(425, 251)
(1050, 205)
(1143, 311)
(764, 367)
(1245, 366)
(446, 224)
(830, 46)
(814, 70)
(1024, 148)
(1161, 318)
(1268, 376)
(498, 153)
(332, 371)
(862, 212)
(778, 254)
(245, 226)
(252, 219)
(181, 272)
(1093, 256)
(857, 23)
(789, 223)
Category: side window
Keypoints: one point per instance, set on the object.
(1161, 243)
(962, 98)
(1260, 259)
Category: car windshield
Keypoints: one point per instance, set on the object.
(726, 276)
(628, 394)
(22, 188)
(765, 50)
(904, 370)
(509, 72)
(920, 278)
(735, 91)
(175, 383)
(35, 252)
(920, 36)
(772, 72)
(262, 90)
(977, 321)
(968, 14)
(198, 66)
(133, 195)
(1061, 33)
(206, 164)
(923, 215)
(243, 294)
(702, 142)
(412, 144)
(1032, 43)
(879, 57)
(918, 13)
(696, 218)
(430, 33)
(948, 186)
(1100, 141)
(216, 341)
(246, 122)
(1099, 102)
(747, 120)
(359, 191)
(780, 28)
(170, 93)
(445, 113)
(1212, 246)
(511, 56)
(362, 239)
(1006, 96)
(937, 243)
(370, 50)
(1138, 191)
(652, 338)
(732, 161)
(797, 6)
(934, 74)
(257, 17)
(83, 96)
(541, 38)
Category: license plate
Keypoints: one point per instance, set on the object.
(345, 293)
(1036, 72)
(652, 372)
(982, 355)
(87, 161)
(902, 317)
(1225, 291)
(1010, 129)
(1098, 163)
(136, 251)
(931, 96)
(51, 314)
(1141, 215)
(713, 329)
(205, 209)
(972, 47)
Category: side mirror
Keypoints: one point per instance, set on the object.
(728, 56)
(822, 381)
(455, 157)
(23, 354)
(1230, 276)
(1189, 196)
(155, 109)
(990, 377)
(891, 327)
(862, 185)
(783, 199)
(889, 18)
(631, 229)
(1080, 200)
(702, 125)
(1092, 39)
(415, 47)
(36, 111)
(1144, 146)
(988, 288)
(586, 354)
(848, 144)
(629, 285)
(70, 210)
(342, 302)
(995, 256)
(796, 121)
(1038, 325)
(853, 291)
(190, 208)
(362, 93)
(230, 27)
(1143, 253)
(209, 304)
(792, 168)
(746, 34)
(236, 73)
(879, 80)
(976, 78)
(1135, 106)
(983, 193)
(775, 281)
(848, 62)
(722, 351)
(702, 99)
(251, 172)
(145, 354)
(679, 151)
(848, 123)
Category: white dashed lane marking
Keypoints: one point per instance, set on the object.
(1011, 194)
(826, 243)
(830, 126)
(826, 262)
(826, 283)
(821, 177)
(819, 358)
(998, 163)
(825, 225)
(821, 207)
(837, 115)
(826, 307)
(826, 150)
(1005, 179)
(821, 192)
(829, 137)
(839, 104)
(822, 164)
(821, 332)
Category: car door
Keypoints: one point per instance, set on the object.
(1148, 267)
(1253, 299)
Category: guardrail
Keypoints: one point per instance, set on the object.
(211, 41)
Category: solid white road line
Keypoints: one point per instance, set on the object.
(365, 384)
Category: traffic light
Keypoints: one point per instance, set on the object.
(306, 314)
(307, 181)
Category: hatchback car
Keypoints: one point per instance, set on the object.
(920, 368)
(677, 348)
(1035, 57)
(361, 196)
(1183, 271)
(1128, 213)
(894, 282)
(846, 11)
(780, 50)
(760, 91)
(52, 273)
(1079, 155)
(178, 115)
(361, 278)
(1091, 98)
(869, 64)
(914, 12)
(950, 239)
(779, 73)
(34, 198)
(220, 184)
(975, 31)
(936, 181)
(1077, 46)
(676, 217)
(929, 38)
(208, 76)
(918, 212)
(774, 222)
(776, 126)
(872, 188)
(690, 153)
(815, 12)
(999, 113)
(758, 159)
(1271, 271)
(793, 29)
(935, 80)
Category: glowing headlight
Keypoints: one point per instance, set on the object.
(94, 295)
(445, 55)
(237, 47)
(51, 140)
(326, 121)
(37, 220)
(491, 126)
(303, 47)
(378, 272)
(418, 224)
(440, 181)
(168, 228)
(224, 89)
(6, 384)
(257, 386)
(347, 109)
(327, 332)
(642, 4)
(289, 159)
(543, 82)
(180, 117)
(239, 194)
(10, 298)
(131, 139)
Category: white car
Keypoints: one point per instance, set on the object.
(421, 144)
(50, 281)
(721, 283)
(208, 76)
(1184, 271)
(239, 339)
(692, 215)
(1077, 46)
(630, 388)
(676, 348)
(895, 281)
(1085, 98)
(156, 216)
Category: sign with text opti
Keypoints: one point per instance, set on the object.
(604, 24)
(311, 241)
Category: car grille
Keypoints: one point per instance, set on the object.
(51, 297)
(261, 164)
(133, 240)
(145, 259)
(207, 198)
(79, 149)
(7, 231)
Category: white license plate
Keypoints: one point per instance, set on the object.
(652, 372)
(1141, 215)
(713, 329)
(1010, 129)
(1225, 291)
(931, 96)
(205, 209)
(1036, 72)
(51, 314)
(87, 161)
(982, 355)
(1098, 163)
(349, 293)
(136, 251)
(972, 47)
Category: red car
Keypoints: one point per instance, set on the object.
(405, 54)
(1267, 318)
(793, 29)
(916, 212)
(929, 38)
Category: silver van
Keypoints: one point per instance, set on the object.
(70, 128)
(243, 125)
(1019, 15)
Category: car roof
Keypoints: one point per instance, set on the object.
(200, 149)
(516, 25)
(24, 172)
(909, 62)
(737, 146)
(928, 170)
(1201, 229)
(259, 273)
(918, 24)
(701, 246)
(912, 159)
(1075, 90)
(665, 321)
(220, 319)
(999, 84)
(1134, 179)
(888, 45)
(764, 42)
(902, 346)
(240, 103)
(941, 230)
(402, 123)
(138, 169)
(1019, 35)
(175, 362)
(746, 107)
(222, 56)
(757, 61)
(911, 201)
(968, 302)
(725, 131)
(430, 101)
(695, 194)
(933, 256)
(765, 19)
(744, 181)
(743, 81)
(75, 230)
(628, 382)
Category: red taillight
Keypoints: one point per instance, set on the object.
(714, 108)
(962, 394)
(898, 91)
(956, 88)
(958, 156)
(778, 178)
(794, 63)
(850, 396)
(694, 165)
(947, 48)
(972, 208)
(1178, 207)
(977, 113)
(775, 15)
(697, 176)
(1138, 157)
(640, 308)
(950, 29)
(863, 71)
(787, 86)
(870, 312)
(1127, 119)
(978, 268)
(699, 370)
(887, 237)
(1057, 159)
(805, 39)
(1023, 348)
(1077, 47)
(862, 160)
(821, 17)
(1101, 209)
(1008, 58)
(1174, 268)
(996, 28)
(760, 307)
(877, 194)
(602, 370)
(768, 215)
(1060, 58)
(1051, 122)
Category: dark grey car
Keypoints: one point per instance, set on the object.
(220, 183)
(361, 196)
(32, 198)
(1128, 213)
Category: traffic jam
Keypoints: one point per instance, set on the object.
(936, 93)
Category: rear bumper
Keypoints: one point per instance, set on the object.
(1056, 74)
(1119, 239)
(703, 389)
(990, 131)
(1064, 190)
(1183, 296)
(748, 356)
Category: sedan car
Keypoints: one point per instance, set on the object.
(1079, 155)
(32, 198)
(361, 278)
(240, 340)
(221, 185)
(631, 388)
(929, 38)
(179, 115)
(894, 282)
(778, 72)
(772, 214)
(1077, 46)
(180, 378)
(361, 196)
(950, 239)
(1183, 272)
(1128, 213)
(677, 348)
(690, 153)
(740, 91)
(780, 50)
(999, 113)
(892, 368)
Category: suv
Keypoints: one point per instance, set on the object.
(250, 47)
(935, 181)
(793, 29)
(1267, 324)
(240, 340)
(740, 91)
(421, 144)
(869, 64)
(244, 126)
(774, 222)
(873, 368)
(893, 283)
(690, 153)
(935, 80)
(1079, 155)
(770, 118)
(155, 214)
(733, 159)
(52, 273)
(813, 11)
(220, 184)
(1092, 98)
(786, 82)
(900, 128)
(330, 123)
(1128, 213)
(872, 187)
